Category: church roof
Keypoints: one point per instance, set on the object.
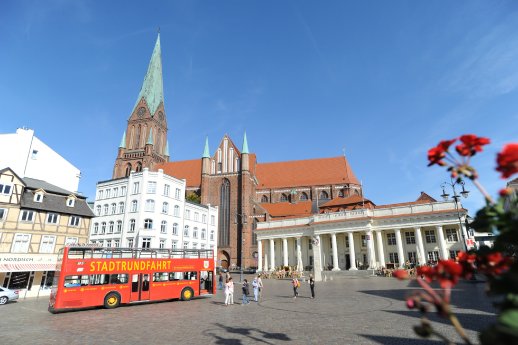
(320, 171)
(288, 209)
(152, 88)
(188, 170)
(351, 200)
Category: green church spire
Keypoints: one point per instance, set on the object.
(166, 151)
(245, 145)
(150, 139)
(206, 152)
(152, 89)
(123, 141)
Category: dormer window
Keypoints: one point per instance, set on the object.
(38, 197)
(71, 200)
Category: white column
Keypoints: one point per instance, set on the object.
(272, 255)
(285, 251)
(421, 256)
(266, 259)
(442, 243)
(300, 265)
(259, 256)
(370, 250)
(352, 254)
(399, 244)
(381, 254)
(335, 252)
(317, 258)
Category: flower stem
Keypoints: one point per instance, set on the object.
(483, 191)
(458, 327)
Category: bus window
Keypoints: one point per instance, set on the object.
(77, 280)
(134, 283)
(99, 279)
(189, 275)
(145, 283)
(161, 277)
(76, 253)
(118, 279)
(98, 253)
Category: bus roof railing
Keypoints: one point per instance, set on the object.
(96, 252)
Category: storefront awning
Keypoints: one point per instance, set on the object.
(24, 267)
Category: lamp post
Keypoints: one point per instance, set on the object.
(456, 197)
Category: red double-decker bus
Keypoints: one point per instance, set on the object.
(89, 276)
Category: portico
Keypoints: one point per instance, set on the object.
(362, 239)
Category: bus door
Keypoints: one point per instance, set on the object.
(139, 287)
(206, 282)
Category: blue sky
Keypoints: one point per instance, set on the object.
(305, 79)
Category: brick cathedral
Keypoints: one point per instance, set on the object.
(231, 177)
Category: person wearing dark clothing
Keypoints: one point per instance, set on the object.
(312, 285)
(245, 292)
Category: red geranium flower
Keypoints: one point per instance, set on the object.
(427, 272)
(471, 144)
(507, 160)
(400, 274)
(448, 273)
(436, 154)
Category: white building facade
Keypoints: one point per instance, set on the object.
(28, 156)
(363, 239)
(149, 210)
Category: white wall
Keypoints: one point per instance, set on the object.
(45, 165)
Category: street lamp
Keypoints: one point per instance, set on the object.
(456, 197)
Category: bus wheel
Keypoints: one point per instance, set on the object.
(112, 300)
(187, 294)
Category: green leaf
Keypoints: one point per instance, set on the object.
(509, 318)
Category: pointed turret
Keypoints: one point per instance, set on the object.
(206, 151)
(244, 155)
(245, 145)
(152, 88)
(123, 141)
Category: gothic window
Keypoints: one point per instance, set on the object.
(284, 197)
(224, 214)
(139, 167)
(324, 195)
(303, 196)
(264, 198)
(132, 138)
(137, 141)
(341, 193)
(128, 170)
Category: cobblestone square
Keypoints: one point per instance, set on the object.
(345, 311)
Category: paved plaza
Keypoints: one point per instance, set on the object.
(345, 311)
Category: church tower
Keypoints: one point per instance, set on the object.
(144, 143)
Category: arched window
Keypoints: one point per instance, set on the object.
(128, 170)
(119, 226)
(103, 227)
(303, 196)
(176, 211)
(264, 198)
(341, 193)
(137, 141)
(284, 197)
(224, 214)
(175, 229)
(98, 210)
(150, 205)
(121, 207)
(110, 228)
(163, 227)
(114, 208)
(324, 195)
(203, 234)
(131, 225)
(139, 167)
(186, 231)
(165, 207)
(134, 206)
(106, 207)
(96, 228)
(195, 233)
(148, 223)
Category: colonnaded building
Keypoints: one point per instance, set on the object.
(275, 209)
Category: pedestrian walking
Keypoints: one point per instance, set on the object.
(260, 284)
(312, 285)
(220, 281)
(245, 292)
(229, 292)
(295, 282)
(255, 286)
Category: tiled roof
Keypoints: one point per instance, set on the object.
(33, 183)
(422, 199)
(310, 172)
(287, 209)
(353, 199)
(189, 170)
